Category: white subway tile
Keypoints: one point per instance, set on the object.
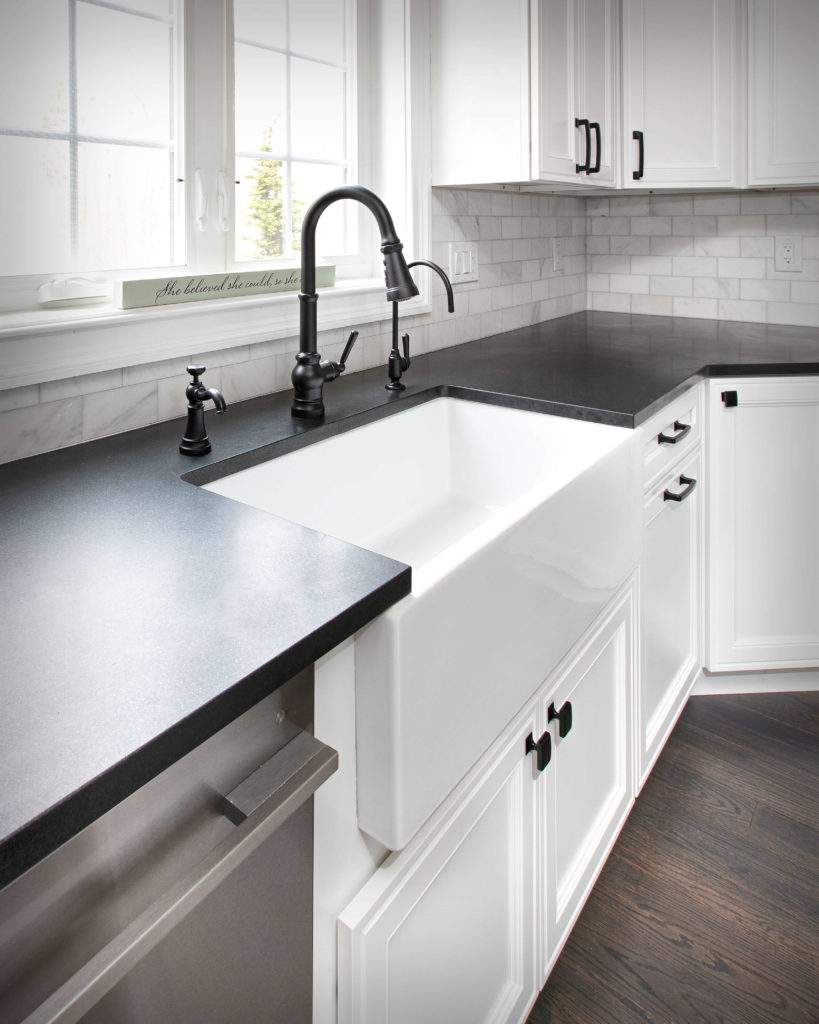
(19, 398)
(703, 309)
(630, 206)
(611, 303)
(794, 224)
(72, 387)
(765, 291)
(740, 267)
(716, 205)
(489, 228)
(697, 225)
(503, 251)
(40, 428)
(597, 206)
(672, 246)
(717, 246)
(716, 288)
(597, 282)
(112, 412)
(671, 286)
(651, 265)
(510, 227)
(737, 309)
(652, 305)
(741, 225)
(152, 371)
(695, 266)
(222, 357)
(610, 264)
(598, 245)
(630, 245)
(631, 283)
(804, 292)
(503, 203)
(651, 225)
(762, 246)
(805, 202)
(797, 314)
(671, 206)
(610, 225)
(765, 204)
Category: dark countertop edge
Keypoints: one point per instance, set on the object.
(33, 842)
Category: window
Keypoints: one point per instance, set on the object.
(160, 137)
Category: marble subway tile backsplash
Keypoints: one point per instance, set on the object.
(517, 287)
(701, 256)
(707, 256)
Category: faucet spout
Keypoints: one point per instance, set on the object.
(311, 372)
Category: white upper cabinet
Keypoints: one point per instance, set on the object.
(783, 86)
(508, 85)
(575, 91)
(680, 126)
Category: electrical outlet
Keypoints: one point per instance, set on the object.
(788, 253)
(557, 254)
(463, 262)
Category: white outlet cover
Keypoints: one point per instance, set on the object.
(788, 252)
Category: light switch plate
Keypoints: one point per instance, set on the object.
(463, 262)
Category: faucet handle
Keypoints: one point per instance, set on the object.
(196, 372)
(348, 348)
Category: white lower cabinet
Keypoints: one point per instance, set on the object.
(670, 602)
(763, 547)
(464, 924)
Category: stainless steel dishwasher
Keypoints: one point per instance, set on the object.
(190, 901)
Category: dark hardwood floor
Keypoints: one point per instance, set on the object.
(707, 911)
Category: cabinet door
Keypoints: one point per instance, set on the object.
(588, 787)
(763, 493)
(783, 83)
(444, 931)
(575, 47)
(669, 602)
(679, 82)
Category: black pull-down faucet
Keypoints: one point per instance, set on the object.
(311, 371)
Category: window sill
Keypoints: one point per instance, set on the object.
(52, 345)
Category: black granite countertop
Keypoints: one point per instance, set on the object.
(141, 614)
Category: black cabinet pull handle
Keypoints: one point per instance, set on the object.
(541, 747)
(730, 398)
(683, 429)
(584, 123)
(563, 718)
(595, 127)
(641, 150)
(683, 494)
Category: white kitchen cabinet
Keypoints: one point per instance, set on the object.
(508, 87)
(466, 921)
(575, 91)
(444, 930)
(783, 83)
(670, 570)
(763, 541)
(587, 789)
(680, 93)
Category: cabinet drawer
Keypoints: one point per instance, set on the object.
(671, 433)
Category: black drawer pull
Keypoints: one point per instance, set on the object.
(683, 429)
(683, 494)
(563, 717)
(641, 158)
(583, 122)
(542, 747)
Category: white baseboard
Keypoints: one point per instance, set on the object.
(756, 682)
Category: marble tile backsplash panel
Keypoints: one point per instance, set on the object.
(517, 287)
(709, 256)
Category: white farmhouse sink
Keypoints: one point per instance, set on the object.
(519, 527)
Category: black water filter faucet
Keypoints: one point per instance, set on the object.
(196, 440)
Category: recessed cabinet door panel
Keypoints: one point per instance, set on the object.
(669, 582)
(679, 82)
(764, 541)
(589, 783)
(445, 929)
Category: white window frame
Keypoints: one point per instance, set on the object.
(50, 344)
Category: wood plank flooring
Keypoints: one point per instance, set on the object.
(707, 911)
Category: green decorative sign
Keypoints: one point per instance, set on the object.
(165, 291)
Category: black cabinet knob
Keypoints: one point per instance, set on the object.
(563, 718)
